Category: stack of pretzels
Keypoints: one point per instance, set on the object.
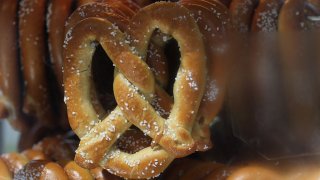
(139, 82)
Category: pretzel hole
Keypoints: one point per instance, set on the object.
(172, 53)
(102, 75)
(133, 140)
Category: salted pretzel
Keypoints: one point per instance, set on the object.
(266, 15)
(37, 101)
(10, 86)
(157, 158)
(297, 15)
(58, 12)
(41, 169)
(119, 15)
(213, 22)
(241, 12)
(51, 158)
(14, 161)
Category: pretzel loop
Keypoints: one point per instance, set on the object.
(171, 19)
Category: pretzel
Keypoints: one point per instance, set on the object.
(57, 149)
(74, 171)
(297, 64)
(58, 12)
(129, 3)
(80, 127)
(241, 12)
(37, 101)
(14, 161)
(42, 162)
(213, 22)
(297, 15)
(10, 87)
(265, 17)
(39, 169)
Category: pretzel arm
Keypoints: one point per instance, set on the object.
(37, 101)
(10, 84)
(58, 13)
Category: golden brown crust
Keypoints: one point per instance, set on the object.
(14, 161)
(102, 174)
(53, 171)
(93, 146)
(4, 171)
(40, 169)
(33, 154)
(214, 23)
(58, 12)
(170, 19)
(56, 149)
(76, 172)
(10, 85)
(297, 15)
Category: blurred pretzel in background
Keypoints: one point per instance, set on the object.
(32, 94)
(10, 81)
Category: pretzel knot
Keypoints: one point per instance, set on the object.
(135, 90)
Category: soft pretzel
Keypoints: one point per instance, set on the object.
(43, 162)
(10, 86)
(33, 154)
(41, 169)
(241, 12)
(37, 101)
(58, 12)
(297, 15)
(213, 22)
(57, 148)
(143, 84)
(14, 161)
(266, 15)
(297, 66)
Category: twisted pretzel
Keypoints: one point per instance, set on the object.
(138, 74)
